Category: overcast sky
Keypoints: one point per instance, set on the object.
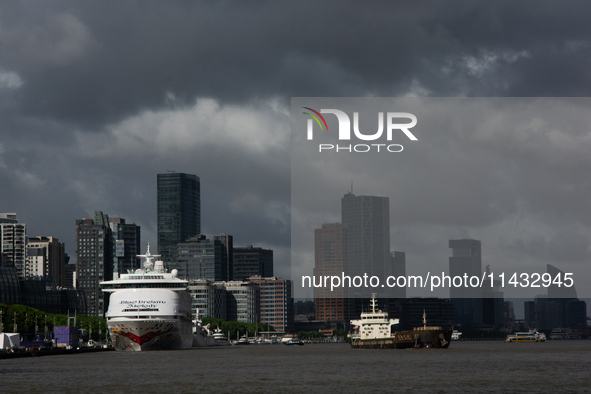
(510, 172)
(96, 98)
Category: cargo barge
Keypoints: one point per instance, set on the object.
(376, 331)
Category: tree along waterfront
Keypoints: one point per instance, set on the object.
(33, 321)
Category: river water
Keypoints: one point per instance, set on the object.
(480, 367)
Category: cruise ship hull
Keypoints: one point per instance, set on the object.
(141, 319)
(151, 334)
(149, 309)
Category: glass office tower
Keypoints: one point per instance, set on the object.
(179, 213)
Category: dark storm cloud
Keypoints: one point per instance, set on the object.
(97, 62)
(96, 98)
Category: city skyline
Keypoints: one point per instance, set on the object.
(89, 115)
(505, 171)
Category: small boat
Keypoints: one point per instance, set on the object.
(294, 342)
(530, 336)
(243, 341)
(219, 338)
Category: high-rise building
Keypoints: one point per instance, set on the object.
(330, 253)
(252, 261)
(70, 273)
(466, 260)
(493, 307)
(46, 257)
(276, 302)
(557, 291)
(228, 242)
(13, 240)
(367, 219)
(560, 308)
(179, 213)
(126, 244)
(35, 265)
(509, 315)
(209, 299)
(201, 258)
(529, 313)
(243, 301)
(94, 260)
(398, 268)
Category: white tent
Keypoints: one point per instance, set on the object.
(9, 339)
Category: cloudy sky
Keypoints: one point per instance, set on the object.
(510, 172)
(97, 98)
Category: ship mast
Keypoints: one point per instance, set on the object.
(373, 302)
(148, 263)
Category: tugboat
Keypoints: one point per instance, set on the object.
(374, 331)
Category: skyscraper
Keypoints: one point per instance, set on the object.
(13, 241)
(276, 302)
(46, 257)
(201, 258)
(94, 260)
(126, 245)
(367, 219)
(330, 253)
(179, 212)
(492, 302)
(242, 301)
(466, 259)
(398, 268)
(252, 261)
(228, 242)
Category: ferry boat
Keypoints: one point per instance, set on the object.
(374, 330)
(149, 309)
(530, 336)
(564, 333)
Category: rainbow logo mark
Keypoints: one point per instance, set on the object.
(315, 118)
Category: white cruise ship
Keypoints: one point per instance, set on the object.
(149, 309)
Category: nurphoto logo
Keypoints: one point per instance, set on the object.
(392, 124)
